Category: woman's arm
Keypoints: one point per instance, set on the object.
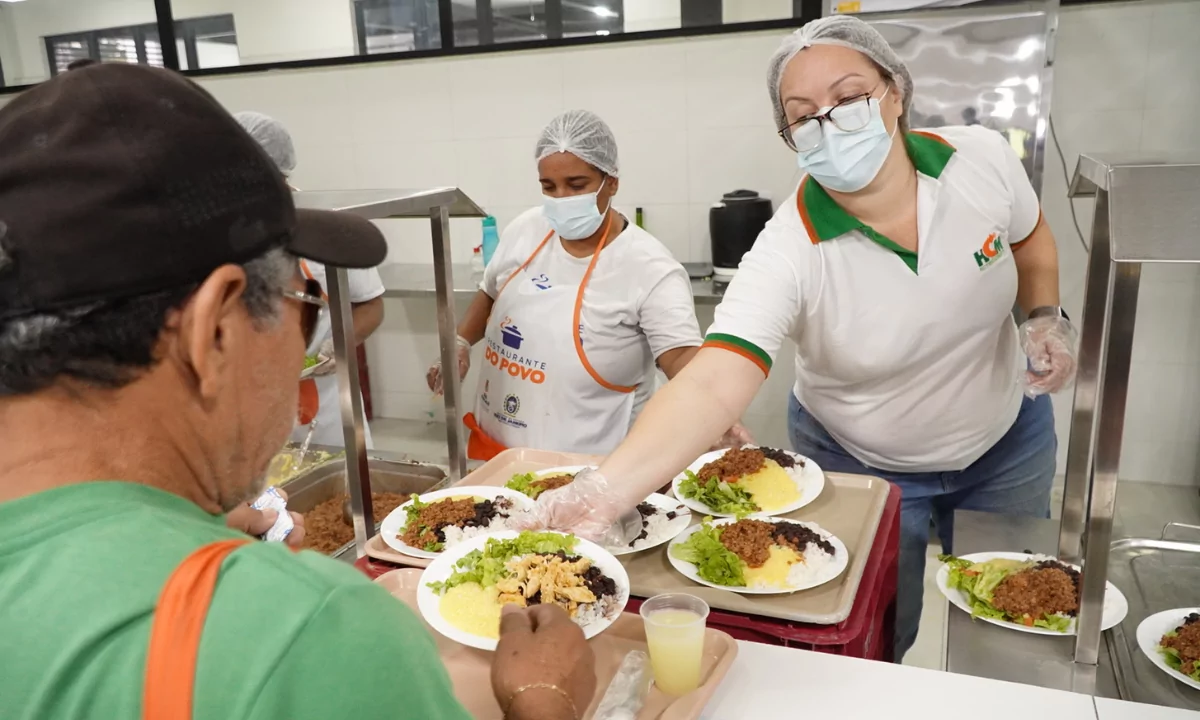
(367, 317)
(681, 421)
(1037, 269)
(474, 322)
(673, 361)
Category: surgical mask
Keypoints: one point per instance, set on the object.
(574, 217)
(849, 161)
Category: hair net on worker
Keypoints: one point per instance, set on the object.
(847, 31)
(273, 137)
(583, 134)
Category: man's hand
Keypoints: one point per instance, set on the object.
(256, 522)
(541, 647)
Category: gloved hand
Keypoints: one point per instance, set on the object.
(735, 437)
(587, 507)
(326, 351)
(434, 376)
(1050, 344)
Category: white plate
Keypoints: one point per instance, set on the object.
(393, 525)
(670, 531)
(1151, 631)
(1115, 604)
(841, 559)
(440, 569)
(810, 484)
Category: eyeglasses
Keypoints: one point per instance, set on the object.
(850, 115)
(310, 313)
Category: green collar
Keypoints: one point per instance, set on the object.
(825, 219)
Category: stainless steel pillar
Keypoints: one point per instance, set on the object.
(447, 336)
(358, 476)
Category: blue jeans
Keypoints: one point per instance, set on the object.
(1013, 477)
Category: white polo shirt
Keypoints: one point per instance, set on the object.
(911, 361)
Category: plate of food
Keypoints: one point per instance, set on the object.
(1022, 591)
(663, 517)
(313, 364)
(462, 591)
(428, 524)
(749, 481)
(1171, 639)
(758, 557)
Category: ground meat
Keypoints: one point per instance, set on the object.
(552, 483)
(751, 540)
(326, 532)
(426, 528)
(783, 459)
(735, 463)
(1070, 571)
(1037, 592)
(798, 537)
(1187, 643)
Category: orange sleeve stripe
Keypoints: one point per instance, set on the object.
(740, 347)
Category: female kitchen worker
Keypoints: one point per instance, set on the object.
(894, 268)
(575, 309)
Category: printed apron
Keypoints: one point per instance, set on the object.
(537, 387)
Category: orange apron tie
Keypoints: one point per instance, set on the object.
(175, 633)
(480, 445)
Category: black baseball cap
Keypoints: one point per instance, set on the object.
(118, 180)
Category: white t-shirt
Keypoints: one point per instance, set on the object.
(637, 305)
(365, 285)
(910, 360)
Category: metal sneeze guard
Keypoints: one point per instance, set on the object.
(437, 205)
(1147, 211)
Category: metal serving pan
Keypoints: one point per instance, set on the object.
(325, 481)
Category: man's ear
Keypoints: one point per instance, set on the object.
(210, 329)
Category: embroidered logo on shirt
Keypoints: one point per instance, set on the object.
(993, 248)
(541, 282)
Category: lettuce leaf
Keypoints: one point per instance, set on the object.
(487, 566)
(718, 495)
(714, 562)
(524, 484)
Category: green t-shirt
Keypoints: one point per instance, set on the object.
(288, 635)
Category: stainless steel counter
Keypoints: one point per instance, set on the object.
(416, 281)
(984, 650)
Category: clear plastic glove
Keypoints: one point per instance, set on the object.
(1050, 344)
(434, 376)
(735, 437)
(326, 351)
(588, 508)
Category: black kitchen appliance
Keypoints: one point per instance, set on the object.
(733, 226)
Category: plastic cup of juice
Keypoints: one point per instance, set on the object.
(675, 636)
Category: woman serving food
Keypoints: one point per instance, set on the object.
(576, 309)
(894, 268)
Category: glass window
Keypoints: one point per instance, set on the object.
(594, 17)
(40, 38)
(388, 26)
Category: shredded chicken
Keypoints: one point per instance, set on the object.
(551, 579)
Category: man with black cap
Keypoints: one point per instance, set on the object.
(152, 326)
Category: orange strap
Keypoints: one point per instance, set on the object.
(308, 274)
(575, 329)
(175, 633)
(480, 445)
(310, 401)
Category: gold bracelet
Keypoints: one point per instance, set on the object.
(543, 686)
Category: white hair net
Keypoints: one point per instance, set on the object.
(847, 31)
(583, 134)
(273, 137)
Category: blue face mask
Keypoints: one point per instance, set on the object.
(575, 217)
(848, 161)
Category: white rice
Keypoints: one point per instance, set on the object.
(657, 528)
(814, 567)
(602, 609)
(455, 535)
